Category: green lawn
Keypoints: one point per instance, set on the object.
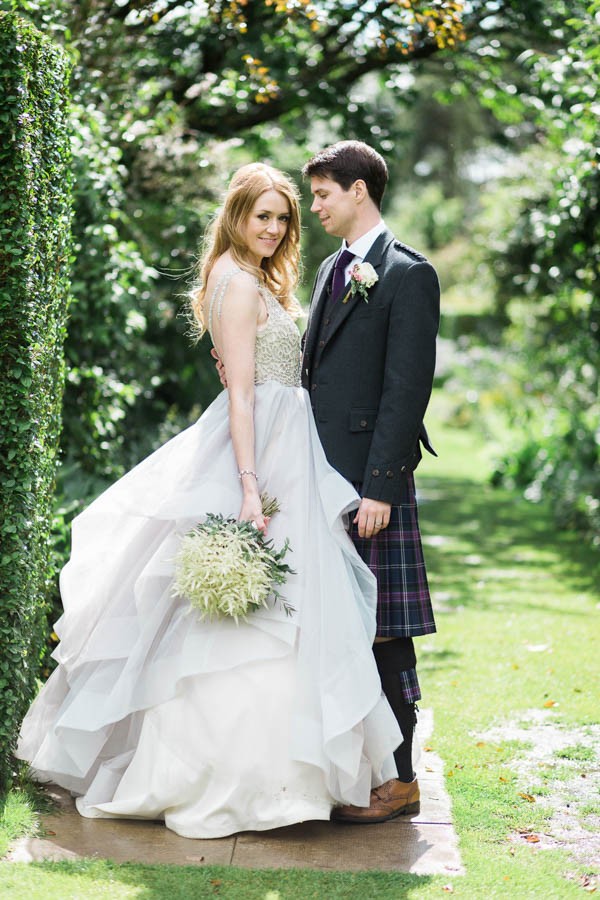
(515, 607)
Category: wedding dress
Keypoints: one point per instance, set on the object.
(214, 727)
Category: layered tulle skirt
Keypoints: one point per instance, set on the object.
(215, 727)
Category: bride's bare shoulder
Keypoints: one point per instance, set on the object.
(225, 271)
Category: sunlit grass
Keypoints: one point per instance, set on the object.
(18, 818)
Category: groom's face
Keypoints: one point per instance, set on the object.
(336, 208)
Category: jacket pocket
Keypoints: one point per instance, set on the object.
(362, 419)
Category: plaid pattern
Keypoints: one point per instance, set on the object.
(395, 556)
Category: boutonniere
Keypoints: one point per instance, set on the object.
(362, 277)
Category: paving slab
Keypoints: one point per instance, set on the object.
(393, 846)
(423, 844)
(67, 835)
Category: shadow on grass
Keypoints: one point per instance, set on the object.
(489, 547)
(227, 883)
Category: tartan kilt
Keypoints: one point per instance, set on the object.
(395, 556)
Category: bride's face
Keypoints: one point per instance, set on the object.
(266, 225)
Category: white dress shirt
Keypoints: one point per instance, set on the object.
(361, 246)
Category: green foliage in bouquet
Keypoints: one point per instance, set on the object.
(270, 505)
(35, 246)
(227, 568)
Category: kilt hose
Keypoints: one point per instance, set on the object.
(395, 556)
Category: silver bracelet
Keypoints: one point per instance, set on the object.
(246, 472)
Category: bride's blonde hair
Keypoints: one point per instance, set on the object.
(280, 272)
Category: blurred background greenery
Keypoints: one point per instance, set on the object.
(486, 112)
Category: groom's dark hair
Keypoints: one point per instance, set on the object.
(347, 162)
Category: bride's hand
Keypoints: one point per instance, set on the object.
(251, 511)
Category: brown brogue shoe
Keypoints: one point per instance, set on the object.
(394, 798)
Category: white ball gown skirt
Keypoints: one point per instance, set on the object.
(215, 728)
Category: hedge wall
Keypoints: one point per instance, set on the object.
(35, 214)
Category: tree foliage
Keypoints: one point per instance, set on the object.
(35, 219)
(547, 265)
(222, 67)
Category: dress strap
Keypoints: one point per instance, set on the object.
(218, 295)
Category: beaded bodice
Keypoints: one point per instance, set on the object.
(278, 354)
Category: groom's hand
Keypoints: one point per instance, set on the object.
(372, 516)
(220, 367)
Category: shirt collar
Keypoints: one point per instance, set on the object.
(361, 246)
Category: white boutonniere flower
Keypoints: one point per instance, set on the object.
(362, 277)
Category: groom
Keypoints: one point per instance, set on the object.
(369, 359)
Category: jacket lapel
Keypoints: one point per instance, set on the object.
(319, 298)
(347, 302)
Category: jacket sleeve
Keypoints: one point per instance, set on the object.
(407, 381)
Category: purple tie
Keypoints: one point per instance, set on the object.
(339, 279)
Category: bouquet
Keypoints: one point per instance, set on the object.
(227, 568)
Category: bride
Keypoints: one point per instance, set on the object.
(217, 727)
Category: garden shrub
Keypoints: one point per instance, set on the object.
(35, 215)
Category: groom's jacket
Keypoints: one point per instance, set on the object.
(369, 366)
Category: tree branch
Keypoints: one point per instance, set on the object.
(217, 124)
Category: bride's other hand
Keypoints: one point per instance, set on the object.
(219, 367)
(251, 511)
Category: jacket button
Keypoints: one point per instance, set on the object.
(314, 387)
(321, 343)
(389, 474)
(327, 321)
(375, 472)
(363, 423)
(403, 469)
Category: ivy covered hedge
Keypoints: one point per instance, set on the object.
(35, 215)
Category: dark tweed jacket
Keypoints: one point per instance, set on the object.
(369, 368)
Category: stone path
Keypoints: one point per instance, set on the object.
(425, 844)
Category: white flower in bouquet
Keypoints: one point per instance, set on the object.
(227, 568)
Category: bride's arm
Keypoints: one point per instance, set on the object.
(237, 343)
